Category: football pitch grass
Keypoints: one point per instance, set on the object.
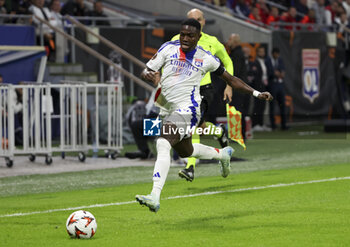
(288, 192)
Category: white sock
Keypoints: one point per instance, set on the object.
(204, 152)
(161, 167)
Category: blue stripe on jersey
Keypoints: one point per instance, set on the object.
(190, 55)
(194, 119)
(175, 42)
(208, 52)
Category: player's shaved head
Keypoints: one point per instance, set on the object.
(197, 15)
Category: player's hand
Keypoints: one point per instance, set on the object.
(152, 76)
(157, 78)
(228, 94)
(265, 96)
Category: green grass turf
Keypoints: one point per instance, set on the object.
(301, 215)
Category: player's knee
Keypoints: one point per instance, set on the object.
(163, 145)
(185, 153)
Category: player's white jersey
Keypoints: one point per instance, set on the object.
(182, 73)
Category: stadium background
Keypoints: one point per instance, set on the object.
(305, 153)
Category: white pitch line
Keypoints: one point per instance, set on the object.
(177, 197)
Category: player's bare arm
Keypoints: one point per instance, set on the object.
(241, 86)
(151, 76)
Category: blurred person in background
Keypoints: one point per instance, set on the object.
(276, 87)
(323, 17)
(254, 15)
(301, 6)
(38, 9)
(343, 35)
(342, 23)
(289, 17)
(62, 47)
(242, 9)
(260, 84)
(340, 10)
(19, 7)
(98, 12)
(213, 45)
(253, 75)
(240, 70)
(3, 11)
(254, 72)
(225, 6)
(346, 5)
(55, 8)
(310, 18)
(263, 9)
(75, 8)
(333, 9)
(273, 17)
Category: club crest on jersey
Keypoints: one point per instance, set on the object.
(198, 62)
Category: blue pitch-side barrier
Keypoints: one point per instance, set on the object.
(17, 35)
(18, 64)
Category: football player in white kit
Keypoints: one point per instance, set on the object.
(184, 64)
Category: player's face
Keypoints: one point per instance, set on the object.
(189, 37)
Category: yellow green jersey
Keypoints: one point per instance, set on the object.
(212, 44)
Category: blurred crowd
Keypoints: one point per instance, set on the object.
(270, 13)
(309, 15)
(50, 9)
(263, 72)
